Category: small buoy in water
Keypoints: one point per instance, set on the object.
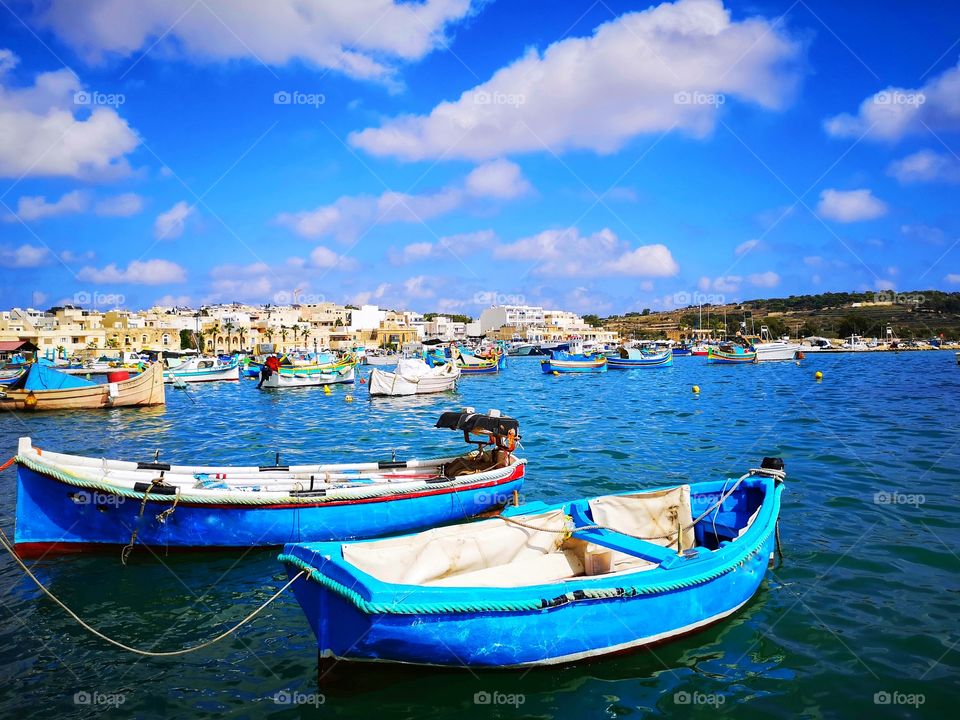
(818, 375)
(556, 373)
(348, 398)
(363, 381)
(696, 389)
(326, 389)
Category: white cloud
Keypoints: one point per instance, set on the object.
(325, 258)
(362, 38)
(567, 253)
(953, 278)
(350, 216)
(36, 207)
(926, 166)
(896, 112)
(722, 284)
(850, 205)
(364, 298)
(24, 256)
(463, 246)
(123, 205)
(925, 233)
(881, 284)
(42, 135)
(668, 67)
(746, 246)
(498, 179)
(171, 224)
(69, 256)
(139, 272)
(174, 301)
(767, 279)
(418, 287)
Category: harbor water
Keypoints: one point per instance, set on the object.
(860, 619)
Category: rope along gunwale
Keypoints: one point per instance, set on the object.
(5, 542)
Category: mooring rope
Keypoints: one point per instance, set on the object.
(5, 542)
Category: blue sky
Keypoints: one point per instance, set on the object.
(600, 157)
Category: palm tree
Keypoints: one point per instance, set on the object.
(242, 336)
(283, 335)
(269, 333)
(113, 343)
(305, 335)
(296, 334)
(228, 326)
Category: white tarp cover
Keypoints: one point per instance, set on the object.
(413, 377)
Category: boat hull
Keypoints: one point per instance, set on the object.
(435, 626)
(573, 366)
(665, 360)
(295, 379)
(143, 389)
(777, 351)
(230, 373)
(384, 384)
(718, 357)
(54, 516)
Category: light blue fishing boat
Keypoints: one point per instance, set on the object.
(70, 503)
(545, 584)
(633, 358)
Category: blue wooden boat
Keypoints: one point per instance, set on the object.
(12, 374)
(545, 584)
(566, 362)
(682, 351)
(68, 503)
(633, 358)
(730, 354)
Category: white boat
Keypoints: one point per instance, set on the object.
(770, 349)
(816, 344)
(378, 359)
(855, 344)
(294, 378)
(202, 369)
(414, 377)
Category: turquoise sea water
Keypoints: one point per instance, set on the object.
(861, 619)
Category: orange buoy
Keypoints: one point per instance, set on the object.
(117, 376)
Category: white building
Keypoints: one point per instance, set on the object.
(368, 317)
(520, 316)
(564, 320)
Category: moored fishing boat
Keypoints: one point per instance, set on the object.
(414, 377)
(473, 365)
(68, 503)
(12, 375)
(311, 377)
(730, 354)
(771, 349)
(43, 388)
(634, 358)
(565, 362)
(545, 584)
(202, 369)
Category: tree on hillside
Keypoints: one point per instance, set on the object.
(593, 320)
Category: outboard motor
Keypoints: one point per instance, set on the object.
(492, 428)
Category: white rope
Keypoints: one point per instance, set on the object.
(5, 542)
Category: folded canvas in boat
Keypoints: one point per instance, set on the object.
(646, 515)
(512, 554)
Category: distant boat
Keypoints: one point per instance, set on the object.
(634, 358)
(545, 584)
(202, 369)
(731, 355)
(414, 377)
(855, 343)
(70, 503)
(473, 365)
(44, 388)
(311, 375)
(700, 350)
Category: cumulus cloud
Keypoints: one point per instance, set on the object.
(349, 216)
(361, 38)
(24, 256)
(953, 278)
(746, 246)
(171, 224)
(36, 207)
(896, 112)
(325, 258)
(446, 248)
(926, 166)
(44, 133)
(567, 253)
(289, 281)
(138, 272)
(767, 279)
(123, 205)
(722, 284)
(669, 67)
(850, 205)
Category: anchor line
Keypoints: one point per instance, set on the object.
(5, 542)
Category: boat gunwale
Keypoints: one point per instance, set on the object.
(401, 599)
